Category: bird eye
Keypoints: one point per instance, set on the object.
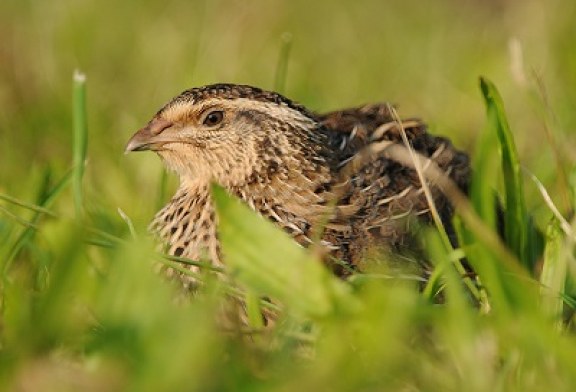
(214, 118)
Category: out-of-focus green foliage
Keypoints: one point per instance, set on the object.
(80, 305)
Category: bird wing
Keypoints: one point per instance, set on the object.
(377, 186)
(360, 136)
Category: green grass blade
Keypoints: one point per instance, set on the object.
(483, 200)
(507, 282)
(515, 215)
(80, 138)
(16, 218)
(554, 271)
(269, 262)
(26, 205)
(46, 197)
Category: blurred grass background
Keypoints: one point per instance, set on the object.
(82, 317)
(425, 57)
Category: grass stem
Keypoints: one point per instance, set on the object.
(80, 138)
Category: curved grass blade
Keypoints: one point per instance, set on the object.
(508, 284)
(17, 219)
(46, 197)
(515, 215)
(29, 206)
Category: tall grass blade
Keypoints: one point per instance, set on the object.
(515, 214)
(507, 281)
(80, 138)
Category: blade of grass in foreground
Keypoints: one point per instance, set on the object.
(515, 215)
(483, 198)
(554, 272)
(80, 138)
(46, 197)
(269, 262)
(26, 205)
(506, 280)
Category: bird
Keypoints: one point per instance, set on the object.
(327, 179)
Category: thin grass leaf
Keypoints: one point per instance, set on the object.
(506, 281)
(554, 272)
(128, 222)
(433, 285)
(515, 215)
(483, 188)
(46, 197)
(80, 138)
(483, 199)
(17, 219)
(28, 206)
(569, 301)
(107, 236)
(422, 178)
(102, 243)
(177, 266)
(361, 278)
(564, 224)
(202, 264)
(457, 297)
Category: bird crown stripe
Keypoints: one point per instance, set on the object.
(233, 91)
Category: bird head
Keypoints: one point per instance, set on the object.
(225, 133)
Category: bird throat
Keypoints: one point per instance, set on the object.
(187, 224)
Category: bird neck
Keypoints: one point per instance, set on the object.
(285, 186)
(187, 223)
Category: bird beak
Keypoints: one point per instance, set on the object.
(149, 137)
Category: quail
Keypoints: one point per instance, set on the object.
(306, 172)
